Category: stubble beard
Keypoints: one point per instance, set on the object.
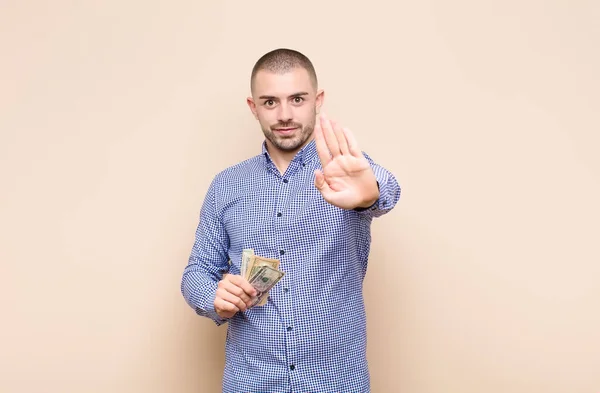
(292, 143)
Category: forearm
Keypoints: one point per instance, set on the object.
(198, 288)
(208, 261)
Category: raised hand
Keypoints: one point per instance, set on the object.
(347, 180)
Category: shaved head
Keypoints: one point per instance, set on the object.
(280, 61)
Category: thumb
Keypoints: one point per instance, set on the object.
(320, 182)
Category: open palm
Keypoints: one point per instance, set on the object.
(347, 180)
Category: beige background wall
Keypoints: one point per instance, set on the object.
(114, 116)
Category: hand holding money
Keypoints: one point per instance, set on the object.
(263, 280)
(234, 293)
(262, 273)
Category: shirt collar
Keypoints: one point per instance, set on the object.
(304, 155)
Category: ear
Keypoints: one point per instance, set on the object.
(252, 106)
(320, 97)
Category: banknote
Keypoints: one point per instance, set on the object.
(263, 279)
(251, 265)
(256, 261)
(246, 254)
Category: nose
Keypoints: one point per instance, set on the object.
(284, 115)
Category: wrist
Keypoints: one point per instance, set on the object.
(369, 200)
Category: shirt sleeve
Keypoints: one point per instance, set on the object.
(208, 260)
(389, 191)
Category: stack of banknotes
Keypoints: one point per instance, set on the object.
(262, 273)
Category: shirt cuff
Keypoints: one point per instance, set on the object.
(209, 311)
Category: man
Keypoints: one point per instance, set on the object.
(307, 200)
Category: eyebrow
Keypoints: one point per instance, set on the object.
(302, 93)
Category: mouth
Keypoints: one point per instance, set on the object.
(285, 131)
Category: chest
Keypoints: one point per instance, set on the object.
(277, 215)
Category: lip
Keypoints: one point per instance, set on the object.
(285, 130)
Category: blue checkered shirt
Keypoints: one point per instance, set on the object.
(311, 334)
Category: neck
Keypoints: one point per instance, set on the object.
(283, 158)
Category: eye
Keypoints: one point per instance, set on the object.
(298, 100)
(269, 102)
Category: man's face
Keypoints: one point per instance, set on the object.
(286, 106)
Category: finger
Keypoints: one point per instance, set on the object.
(341, 138)
(231, 293)
(329, 136)
(236, 293)
(320, 182)
(322, 149)
(224, 306)
(241, 288)
(243, 285)
(319, 179)
(232, 298)
(352, 144)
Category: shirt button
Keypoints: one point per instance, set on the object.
(285, 180)
(292, 367)
(289, 328)
(285, 290)
(278, 214)
(281, 252)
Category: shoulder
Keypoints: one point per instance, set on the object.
(239, 173)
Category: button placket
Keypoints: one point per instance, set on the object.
(287, 299)
(284, 301)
